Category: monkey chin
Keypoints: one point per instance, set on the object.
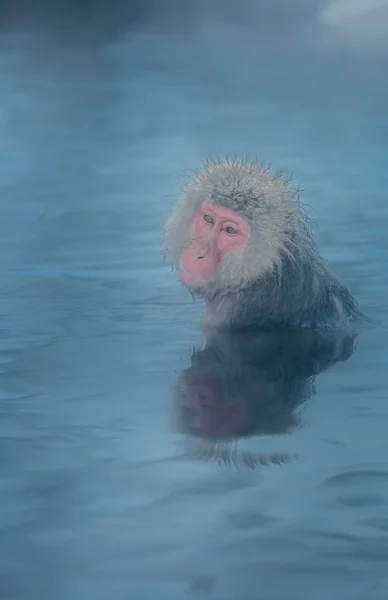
(192, 280)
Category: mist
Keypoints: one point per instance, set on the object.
(358, 25)
(105, 106)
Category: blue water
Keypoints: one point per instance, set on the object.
(100, 496)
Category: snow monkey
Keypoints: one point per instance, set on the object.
(240, 239)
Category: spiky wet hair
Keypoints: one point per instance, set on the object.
(277, 279)
(266, 199)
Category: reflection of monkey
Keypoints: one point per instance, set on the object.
(250, 383)
(240, 239)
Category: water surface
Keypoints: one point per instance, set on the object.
(100, 497)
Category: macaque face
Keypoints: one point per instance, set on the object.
(208, 413)
(214, 232)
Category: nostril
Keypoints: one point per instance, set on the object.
(200, 257)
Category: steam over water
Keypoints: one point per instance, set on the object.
(101, 115)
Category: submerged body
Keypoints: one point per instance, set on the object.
(240, 239)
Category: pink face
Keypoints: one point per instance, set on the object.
(209, 415)
(214, 232)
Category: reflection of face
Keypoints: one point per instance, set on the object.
(208, 411)
(215, 231)
(244, 384)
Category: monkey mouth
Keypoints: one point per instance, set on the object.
(193, 280)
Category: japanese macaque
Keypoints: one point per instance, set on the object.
(240, 239)
(246, 384)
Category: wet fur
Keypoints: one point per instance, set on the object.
(278, 279)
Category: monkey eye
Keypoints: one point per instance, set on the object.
(231, 230)
(208, 219)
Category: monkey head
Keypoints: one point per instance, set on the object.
(231, 225)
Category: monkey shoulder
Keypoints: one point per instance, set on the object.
(299, 296)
